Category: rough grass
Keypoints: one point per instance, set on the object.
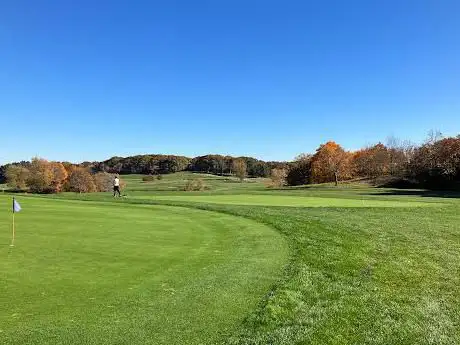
(381, 274)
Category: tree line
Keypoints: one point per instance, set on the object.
(435, 164)
(42, 176)
(166, 164)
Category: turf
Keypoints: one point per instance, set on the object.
(287, 200)
(385, 273)
(98, 273)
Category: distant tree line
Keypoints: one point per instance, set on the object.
(142, 164)
(167, 164)
(37, 175)
(434, 164)
(42, 176)
(226, 165)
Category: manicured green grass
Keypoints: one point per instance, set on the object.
(385, 273)
(98, 273)
(287, 200)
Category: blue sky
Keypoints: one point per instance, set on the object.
(87, 80)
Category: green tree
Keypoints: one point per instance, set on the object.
(299, 172)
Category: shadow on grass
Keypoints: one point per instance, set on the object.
(14, 191)
(421, 193)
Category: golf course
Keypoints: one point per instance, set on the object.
(230, 172)
(235, 263)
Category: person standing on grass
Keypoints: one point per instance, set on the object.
(116, 187)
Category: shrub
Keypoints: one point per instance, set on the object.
(188, 186)
(81, 181)
(194, 185)
(148, 178)
(278, 177)
(103, 182)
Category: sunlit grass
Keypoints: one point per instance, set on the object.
(365, 266)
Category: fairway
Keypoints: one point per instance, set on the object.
(288, 201)
(104, 273)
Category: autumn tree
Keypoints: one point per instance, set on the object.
(436, 164)
(372, 161)
(447, 151)
(239, 168)
(81, 181)
(361, 162)
(400, 153)
(60, 175)
(45, 176)
(299, 171)
(278, 177)
(16, 176)
(69, 167)
(41, 176)
(330, 163)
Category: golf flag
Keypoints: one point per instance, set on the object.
(16, 206)
(16, 209)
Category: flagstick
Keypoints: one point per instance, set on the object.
(12, 241)
(14, 232)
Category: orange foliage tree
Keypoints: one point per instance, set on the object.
(41, 176)
(45, 176)
(372, 161)
(330, 163)
(59, 176)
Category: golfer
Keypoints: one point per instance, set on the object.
(116, 186)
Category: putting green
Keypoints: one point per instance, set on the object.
(284, 200)
(104, 273)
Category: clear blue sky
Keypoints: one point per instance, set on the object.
(90, 79)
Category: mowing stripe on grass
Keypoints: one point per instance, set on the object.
(291, 201)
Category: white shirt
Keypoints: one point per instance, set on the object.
(116, 182)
